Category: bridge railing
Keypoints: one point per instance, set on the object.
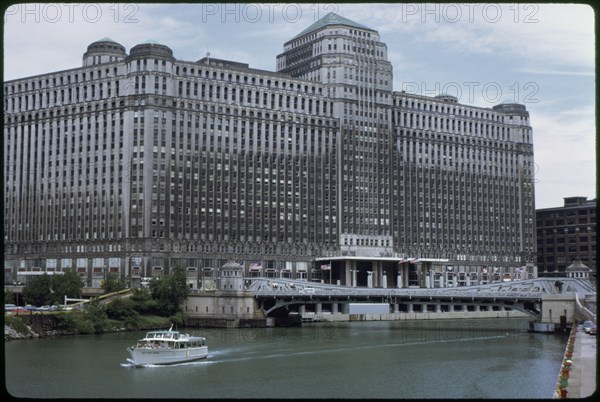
(530, 288)
(584, 311)
(390, 293)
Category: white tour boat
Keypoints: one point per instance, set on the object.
(167, 347)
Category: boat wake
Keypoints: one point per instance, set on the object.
(228, 357)
(203, 362)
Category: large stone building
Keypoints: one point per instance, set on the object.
(566, 235)
(138, 161)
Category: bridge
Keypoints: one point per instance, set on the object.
(280, 296)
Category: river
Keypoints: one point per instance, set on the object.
(493, 358)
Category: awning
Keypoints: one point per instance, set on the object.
(371, 258)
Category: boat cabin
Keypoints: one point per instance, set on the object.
(169, 340)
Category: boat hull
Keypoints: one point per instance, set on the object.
(144, 356)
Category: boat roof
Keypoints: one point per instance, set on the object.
(171, 335)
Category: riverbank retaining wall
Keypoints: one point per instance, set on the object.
(450, 315)
(225, 309)
(562, 381)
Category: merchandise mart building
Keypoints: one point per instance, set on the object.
(138, 161)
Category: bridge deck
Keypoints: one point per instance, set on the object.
(531, 289)
(525, 296)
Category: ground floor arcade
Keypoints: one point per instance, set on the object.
(406, 273)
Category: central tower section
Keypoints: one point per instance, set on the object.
(352, 61)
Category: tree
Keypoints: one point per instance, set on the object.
(143, 302)
(95, 314)
(9, 297)
(38, 291)
(170, 291)
(120, 309)
(113, 283)
(69, 284)
(46, 290)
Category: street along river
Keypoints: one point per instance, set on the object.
(492, 358)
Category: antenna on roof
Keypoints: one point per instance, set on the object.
(207, 56)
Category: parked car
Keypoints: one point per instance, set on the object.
(593, 330)
(587, 325)
(19, 310)
(48, 308)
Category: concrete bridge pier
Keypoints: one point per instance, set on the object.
(345, 307)
(558, 310)
(334, 308)
(319, 308)
(302, 309)
(438, 308)
(410, 308)
(396, 307)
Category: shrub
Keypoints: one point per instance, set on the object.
(120, 309)
(16, 323)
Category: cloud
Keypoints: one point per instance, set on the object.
(555, 72)
(538, 34)
(565, 144)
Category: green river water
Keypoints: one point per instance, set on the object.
(493, 358)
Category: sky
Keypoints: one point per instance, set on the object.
(540, 55)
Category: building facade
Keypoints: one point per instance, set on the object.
(566, 235)
(139, 161)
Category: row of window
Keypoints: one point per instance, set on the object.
(51, 82)
(432, 106)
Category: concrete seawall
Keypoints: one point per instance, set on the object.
(450, 315)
